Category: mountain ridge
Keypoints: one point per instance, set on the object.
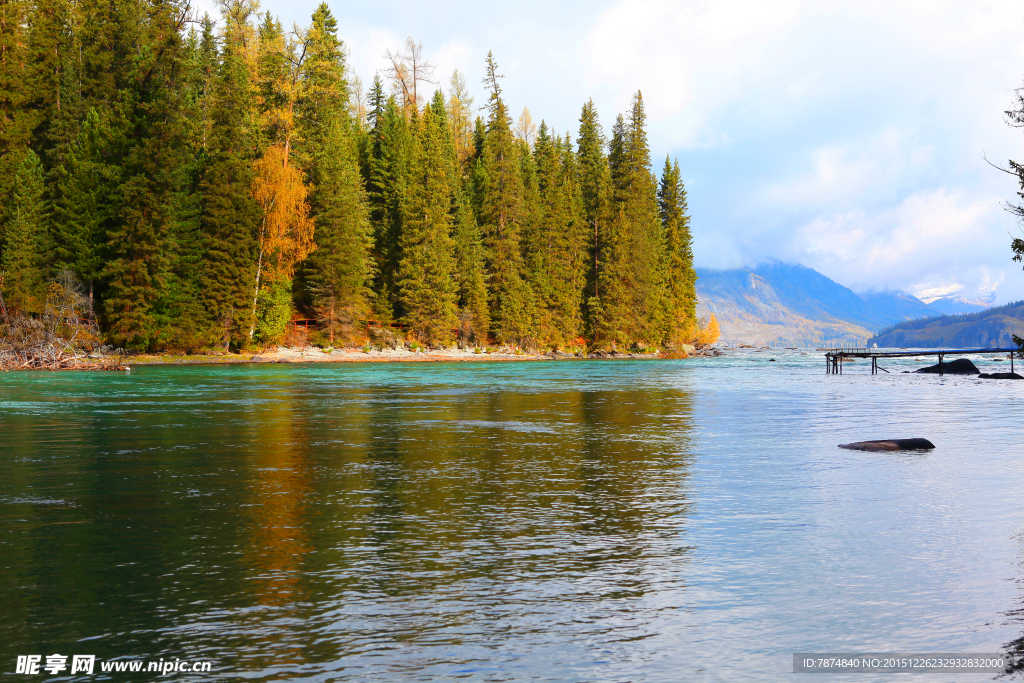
(991, 328)
(792, 304)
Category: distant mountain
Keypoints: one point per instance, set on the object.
(810, 294)
(899, 306)
(793, 304)
(990, 328)
(780, 303)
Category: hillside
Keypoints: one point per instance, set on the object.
(750, 309)
(796, 305)
(993, 327)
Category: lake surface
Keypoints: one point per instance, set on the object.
(571, 521)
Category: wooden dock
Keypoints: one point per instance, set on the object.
(834, 358)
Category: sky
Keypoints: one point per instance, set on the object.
(848, 137)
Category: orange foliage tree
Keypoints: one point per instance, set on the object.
(709, 333)
(286, 231)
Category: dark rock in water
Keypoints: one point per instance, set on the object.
(890, 445)
(1000, 375)
(960, 366)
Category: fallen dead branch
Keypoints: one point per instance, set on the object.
(61, 339)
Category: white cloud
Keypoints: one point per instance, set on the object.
(448, 58)
(988, 285)
(931, 244)
(689, 59)
(842, 174)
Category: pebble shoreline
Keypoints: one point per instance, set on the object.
(399, 355)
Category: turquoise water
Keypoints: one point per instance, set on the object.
(571, 521)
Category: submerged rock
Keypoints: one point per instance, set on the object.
(960, 366)
(890, 445)
(1000, 375)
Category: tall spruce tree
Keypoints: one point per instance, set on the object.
(52, 77)
(681, 296)
(611, 317)
(474, 313)
(273, 85)
(386, 186)
(502, 214)
(426, 276)
(85, 208)
(203, 56)
(633, 258)
(477, 175)
(229, 212)
(531, 237)
(147, 204)
(558, 250)
(23, 260)
(595, 193)
(15, 114)
(340, 270)
(182, 312)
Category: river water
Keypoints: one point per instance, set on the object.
(551, 521)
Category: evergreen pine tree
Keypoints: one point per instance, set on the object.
(52, 78)
(229, 213)
(386, 187)
(111, 44)
(340, 270)
(376, 100)
(201, 82)
(559, 250)
(427, 271)
(611, 323)
(84, 209)
(595, 193)
(181, 314)
(477, 184)
(532, 239)
(147, 204)
(682, 295)
(22, 263)
(273, 83)
(474, 314)
(502, 214)
(15, 121)
(633, 259)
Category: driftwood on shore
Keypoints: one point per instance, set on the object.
(60, 339)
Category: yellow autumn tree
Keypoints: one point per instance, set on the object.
(285, 234)
(460, 118)
(708, 333)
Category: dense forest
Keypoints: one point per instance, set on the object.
(206, 182)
